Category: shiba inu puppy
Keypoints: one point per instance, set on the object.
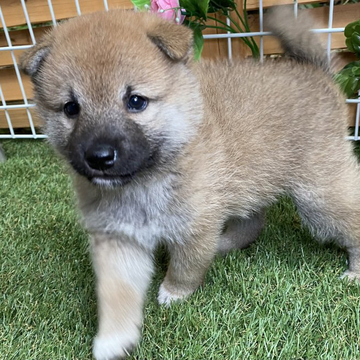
(163, 149)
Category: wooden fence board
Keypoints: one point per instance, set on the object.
(22, 37)
(19, 118)
(352, 114)
(39, 12)
(10, 85)
(6, 58)
(254, 4)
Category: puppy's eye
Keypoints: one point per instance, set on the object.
(71, 109)
(137, 103)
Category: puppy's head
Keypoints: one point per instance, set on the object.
(116, 93)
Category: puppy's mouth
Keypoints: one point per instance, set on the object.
(110, 181)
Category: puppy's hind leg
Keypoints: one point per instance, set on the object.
(239, 233)
(330, 206)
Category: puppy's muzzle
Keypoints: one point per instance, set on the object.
(101, 156)
(112, 157)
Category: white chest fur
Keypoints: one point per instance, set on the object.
(145, 212)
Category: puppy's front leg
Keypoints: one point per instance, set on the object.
(188, 265)
(123, 270)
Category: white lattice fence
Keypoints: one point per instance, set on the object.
(20, 28)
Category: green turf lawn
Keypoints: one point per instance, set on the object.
(279, 299)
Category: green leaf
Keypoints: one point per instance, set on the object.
(350, 66)
(311, 6)
(198, 43)
(356, 49)
(355, 38)
(198, 37)
(346, 85)
(356, 71)
(352, 87)
(349, 45)
(350, 28)
(355, 42)
(140, 4)
(352, 34)
(198, 8)
(224, 5)
(203, 6)
(349, 78)
(194, 25)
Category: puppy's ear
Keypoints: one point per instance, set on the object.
(32, 59)
(176, 41)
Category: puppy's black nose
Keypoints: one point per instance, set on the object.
(100, 156)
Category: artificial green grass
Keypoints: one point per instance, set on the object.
(279, 299)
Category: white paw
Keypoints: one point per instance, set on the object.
(115, 346)
(351, 276)
(166, 297)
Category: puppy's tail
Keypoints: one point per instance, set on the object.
(295, 37)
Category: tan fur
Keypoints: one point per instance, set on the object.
(123, 272)
(227, 140)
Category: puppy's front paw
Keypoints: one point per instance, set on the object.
(166, 297)
(115, 346)
(351, 276)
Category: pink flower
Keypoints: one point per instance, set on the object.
(168, 9)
